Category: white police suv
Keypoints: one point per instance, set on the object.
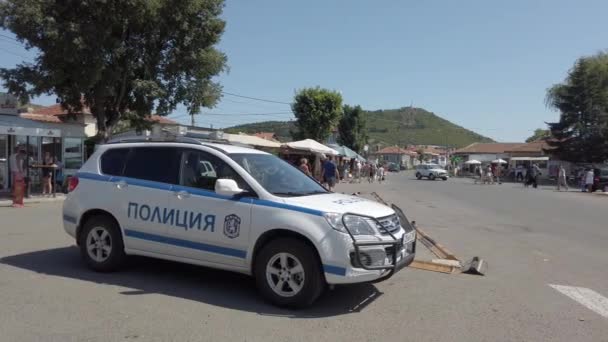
(232, 208)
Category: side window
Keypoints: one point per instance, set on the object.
(201, 170)
(159, 164)
(113, 161)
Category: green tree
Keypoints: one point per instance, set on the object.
(317, 112)
(352, 130)
(581, 135)
(539, 133)
(137, 56)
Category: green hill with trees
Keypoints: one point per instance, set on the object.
(407, 125)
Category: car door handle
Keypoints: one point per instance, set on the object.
(182, 194)
(121, 184)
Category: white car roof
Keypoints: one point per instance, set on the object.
(226, 148)
(233, 148)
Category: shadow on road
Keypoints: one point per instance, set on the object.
(205, 285)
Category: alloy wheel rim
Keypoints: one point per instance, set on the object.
(285, 275)
(99, 244)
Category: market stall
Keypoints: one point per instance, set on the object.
(313, 151)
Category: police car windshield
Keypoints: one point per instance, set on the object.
(277, 176)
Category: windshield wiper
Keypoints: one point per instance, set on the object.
(317, 192)
(289, 193)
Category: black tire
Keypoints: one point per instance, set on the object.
(116, 256)
(418, 175)
(432, 176)
(314, 280)
(445, 178)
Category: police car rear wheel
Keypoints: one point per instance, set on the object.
(288, 273)
(418, 175)
(101, 244)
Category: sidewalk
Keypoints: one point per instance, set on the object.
(8, 202)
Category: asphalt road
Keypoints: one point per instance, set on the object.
(530, 238)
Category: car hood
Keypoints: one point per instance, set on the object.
(437, 170)
(340, 203)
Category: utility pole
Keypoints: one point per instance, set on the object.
(192, 123)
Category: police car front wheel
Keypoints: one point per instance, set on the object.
(101, 244)
(288, 273)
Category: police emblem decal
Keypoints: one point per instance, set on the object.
(232, 226)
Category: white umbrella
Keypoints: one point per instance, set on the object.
(499, 161)
(311, 146)
(472, 162)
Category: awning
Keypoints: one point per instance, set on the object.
(15, 125)
(251, 140)
(530, 158)
(311, 146)
(343, 151)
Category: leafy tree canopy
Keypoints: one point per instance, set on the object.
(352, 128)
(539, 133)
(581, 135)
(317, 112)
(138, 56)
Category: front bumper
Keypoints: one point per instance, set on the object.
(373, 260)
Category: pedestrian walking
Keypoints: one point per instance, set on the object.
(304, 166)
(520, 173)
(16, 165)
(561, 178)
(589, 176)
(498, 173)
(478, 175)
(358, 171)
(381, 174)
(47, 177)
(330, 173)
(581, 179)
(372, 172)
(533, 172)
(489, 178)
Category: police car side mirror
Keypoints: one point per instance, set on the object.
(227, 187)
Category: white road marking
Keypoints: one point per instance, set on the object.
(587, 297)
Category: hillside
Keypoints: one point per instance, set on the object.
(412, 126)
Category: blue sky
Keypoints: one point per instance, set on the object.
(484, 65)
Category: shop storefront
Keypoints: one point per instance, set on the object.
(63, 142)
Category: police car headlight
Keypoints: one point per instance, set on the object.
(357, 225)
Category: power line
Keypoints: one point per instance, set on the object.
(237, 114)
(13, 53)
(255, 98)
(9, 37)
(5, 40)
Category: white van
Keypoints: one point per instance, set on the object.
(232, 208)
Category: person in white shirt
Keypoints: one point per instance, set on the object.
(589, 176)
(561, 178)
(381, 174)
(15, 162)
(358, 171)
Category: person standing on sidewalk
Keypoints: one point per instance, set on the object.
(561, 178)
(304, 166)
(381, 174)
(16, 165)
(589, 176)
(358, 171)
(330, 173)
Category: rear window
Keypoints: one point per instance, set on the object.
(158, 164)
(113, 161)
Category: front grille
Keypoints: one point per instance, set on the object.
(390, 223)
